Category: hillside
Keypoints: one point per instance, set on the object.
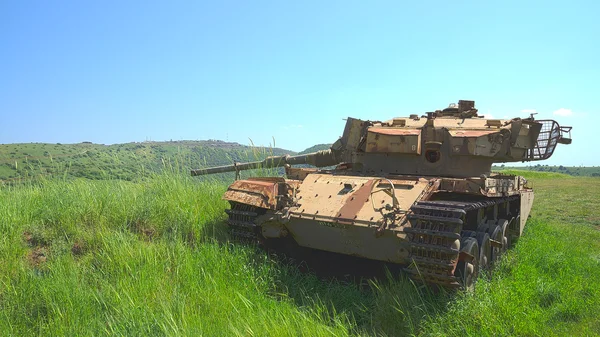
(120, 161)
(316, 148)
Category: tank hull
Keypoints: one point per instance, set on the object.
(420, 223)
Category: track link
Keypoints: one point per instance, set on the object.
(242, 222)
(435, 238)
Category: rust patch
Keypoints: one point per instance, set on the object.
(260, 193)
(355, 202)
(298, 173)
(395, 132)
(267, 179)
(471, 133)
(434, 185)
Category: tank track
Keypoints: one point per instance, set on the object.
(436, 237)
(242, 223)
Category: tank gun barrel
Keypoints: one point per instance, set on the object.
(320, 159)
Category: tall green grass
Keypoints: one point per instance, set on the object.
(81, 257)
(111, 257)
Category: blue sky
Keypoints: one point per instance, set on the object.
(122, 71)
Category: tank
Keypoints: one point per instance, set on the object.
(414, 191)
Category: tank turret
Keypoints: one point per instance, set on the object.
(453, 142)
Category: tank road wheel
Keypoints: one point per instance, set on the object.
(485, 250)
(516, 221)
(497, 236)
(485, 246)
(506, 241)
(467, 267)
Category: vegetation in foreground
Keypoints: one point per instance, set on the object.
(82, 257)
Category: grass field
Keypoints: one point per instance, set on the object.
(81, 257)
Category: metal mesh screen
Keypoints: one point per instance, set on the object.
(546, 141)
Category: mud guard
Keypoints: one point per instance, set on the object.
(258, 192)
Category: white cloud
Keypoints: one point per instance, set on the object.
(563, 112)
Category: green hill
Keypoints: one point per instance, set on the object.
(120, 161)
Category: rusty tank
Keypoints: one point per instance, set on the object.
(415, 191)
